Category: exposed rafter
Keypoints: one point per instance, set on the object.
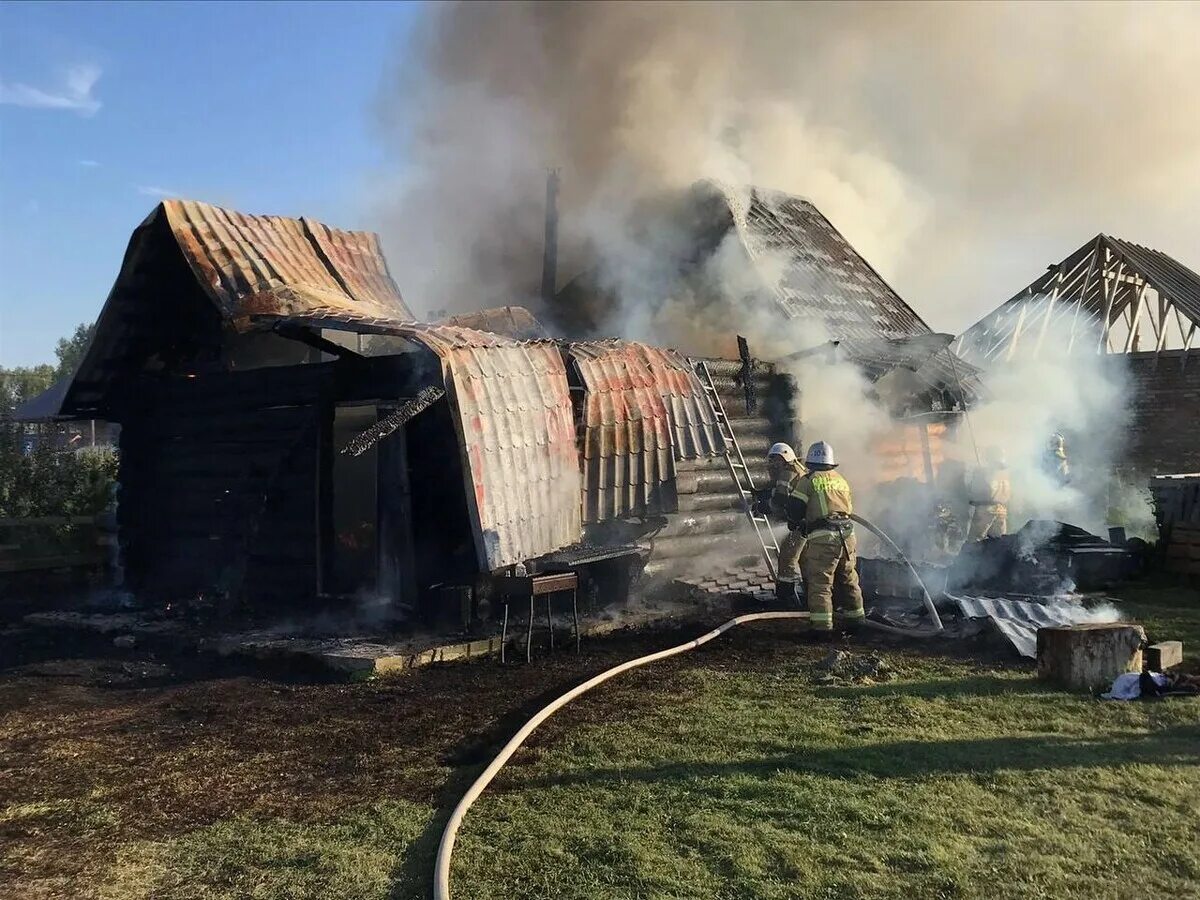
(1109, 296)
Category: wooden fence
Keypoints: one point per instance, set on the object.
(1177, 510)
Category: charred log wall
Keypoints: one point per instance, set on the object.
(710, 528)
(223, 478)
(219, 486)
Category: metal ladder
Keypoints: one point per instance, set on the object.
(739, 472)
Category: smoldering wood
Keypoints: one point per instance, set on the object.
(220, 474)
(310, 338)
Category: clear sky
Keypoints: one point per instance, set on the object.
(105, 108)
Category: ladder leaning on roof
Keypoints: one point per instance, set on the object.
(739, 472)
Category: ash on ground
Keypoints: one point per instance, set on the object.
(843, 667)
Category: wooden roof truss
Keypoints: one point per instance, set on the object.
(1110, 296)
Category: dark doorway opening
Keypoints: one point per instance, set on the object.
(353, 554)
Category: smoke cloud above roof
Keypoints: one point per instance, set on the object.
(959, 147)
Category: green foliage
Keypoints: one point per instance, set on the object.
(70, 350)
(21, 383)
(50, 482)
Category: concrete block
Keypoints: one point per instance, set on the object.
(1163, 655)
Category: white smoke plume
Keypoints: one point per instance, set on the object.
(960, 147)
(1083, 396)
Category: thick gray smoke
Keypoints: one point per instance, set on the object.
(960, 147)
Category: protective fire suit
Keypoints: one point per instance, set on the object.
(989, 504)
(791, 546)
(821, 504)
(1056, 465)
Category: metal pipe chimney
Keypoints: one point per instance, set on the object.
(550, 249)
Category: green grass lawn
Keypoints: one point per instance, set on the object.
(728, 773)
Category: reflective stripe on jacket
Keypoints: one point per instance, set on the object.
(824, 495)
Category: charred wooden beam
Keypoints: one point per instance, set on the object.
(367, 439)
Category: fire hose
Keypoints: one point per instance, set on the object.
(928, 600)
(441, 877)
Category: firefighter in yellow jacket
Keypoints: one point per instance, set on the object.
(991, 493)
(784, 470)
(1055, 461)
(820, 504)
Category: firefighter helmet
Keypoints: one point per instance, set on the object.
(783, 451)
(820, 454)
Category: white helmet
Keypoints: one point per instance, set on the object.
(783, 451)
(820, 454)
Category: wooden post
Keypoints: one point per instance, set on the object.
(1089, 657)
(926, 452)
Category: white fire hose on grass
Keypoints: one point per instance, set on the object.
(441, 877)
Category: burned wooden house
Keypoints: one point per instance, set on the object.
(724, 262)
(1136, 308)
(289, 432)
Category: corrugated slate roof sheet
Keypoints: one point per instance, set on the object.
(512, 408)
(642, 408)
(510, 321)
(514, 415)
(248, 266)
(824, 277)
(1019, 620)
(273, 264)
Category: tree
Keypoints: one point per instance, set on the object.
(24, 382)
(19, 384)
(70, 350)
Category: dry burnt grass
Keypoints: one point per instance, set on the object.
(100, 748)
(339, 789)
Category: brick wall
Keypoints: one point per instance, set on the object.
(1165, 406)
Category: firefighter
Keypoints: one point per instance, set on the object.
(991, 493)
(1055, 461)
(784, 471)
(820, 504)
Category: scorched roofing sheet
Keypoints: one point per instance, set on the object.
(273, 264)
(512, 409)
(643, 407)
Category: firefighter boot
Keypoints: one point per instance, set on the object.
(785, 594)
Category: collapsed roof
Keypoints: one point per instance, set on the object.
(804, 271)
(1109, 296)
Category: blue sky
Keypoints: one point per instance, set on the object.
(103, 107)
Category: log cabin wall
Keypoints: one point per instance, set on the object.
(219, 485)
(224, 478)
